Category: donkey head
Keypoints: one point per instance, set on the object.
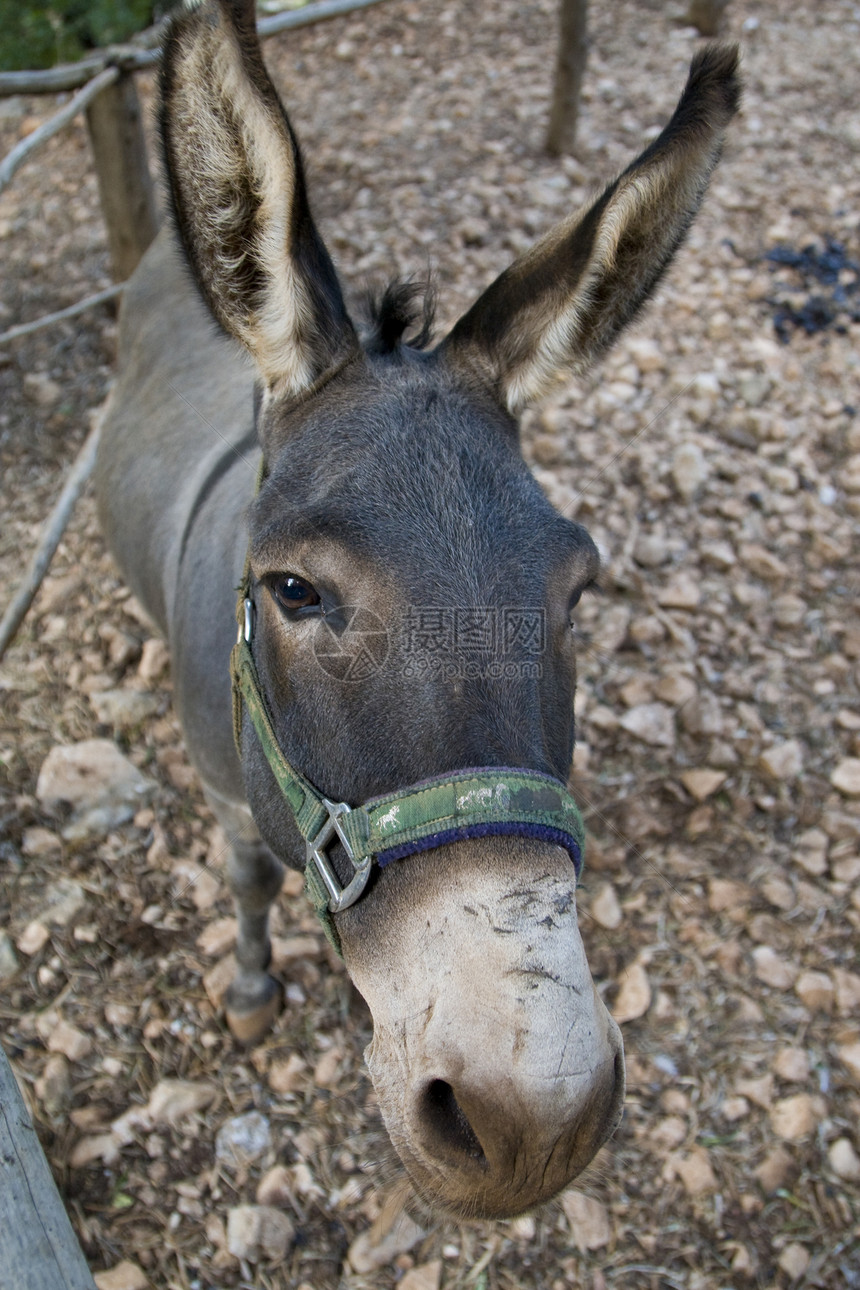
(412, 592)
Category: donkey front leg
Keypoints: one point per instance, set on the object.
(253, 1000)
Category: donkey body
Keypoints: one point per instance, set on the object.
(394, 504)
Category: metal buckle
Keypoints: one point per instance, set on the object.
(340, 897)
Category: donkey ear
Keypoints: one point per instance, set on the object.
(563, 303)
(240, 202)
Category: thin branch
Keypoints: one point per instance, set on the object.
(26, 329)
(49, 540)
(319, 12)
(140, 52)
(54, 124)
(68, 76)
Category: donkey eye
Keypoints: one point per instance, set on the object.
(577, 596)
(293, 593)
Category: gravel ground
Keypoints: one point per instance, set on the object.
(715, 457)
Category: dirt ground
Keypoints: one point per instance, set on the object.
(715, 458)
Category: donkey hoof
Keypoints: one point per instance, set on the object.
(249, 1021)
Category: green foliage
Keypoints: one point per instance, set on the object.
(36, 35)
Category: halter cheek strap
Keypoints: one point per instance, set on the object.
(448, 808)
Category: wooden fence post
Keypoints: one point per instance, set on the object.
(38, 1248)
(569, 70)
(125, 184)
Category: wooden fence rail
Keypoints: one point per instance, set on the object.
(40, 136)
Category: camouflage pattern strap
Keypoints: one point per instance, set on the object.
(469, 803)
(305, 803)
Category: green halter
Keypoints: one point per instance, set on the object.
(449, 808)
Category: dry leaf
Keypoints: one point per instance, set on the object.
(218, 978)
(218, 937)
(589, 1220)
(695, 1172)
(69, 1041)
(426, 1277)
(634, 995)
(703, 783)
(605, 908)
(367, 1256)
(325, 1071)
(257, 1232)
(758, 1090)
(125, 1276)
(843, 1159)
(846, 777)
(774, 1170)
(793, 1118)
(173, 1100)
(287, 1076)
(99, 1146)
(275, 1187)
(794, 1260)
(815, 990)
(33, 938)
(849, 1055)
(792, 1064)
(773, 970)
(847, 991)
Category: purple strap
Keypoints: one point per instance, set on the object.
(543, 832)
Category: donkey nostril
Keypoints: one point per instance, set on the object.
(447, 1120)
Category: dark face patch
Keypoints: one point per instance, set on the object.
(441, 639)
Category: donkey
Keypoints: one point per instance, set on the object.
(404, 676)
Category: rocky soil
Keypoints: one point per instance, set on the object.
(716, 460)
